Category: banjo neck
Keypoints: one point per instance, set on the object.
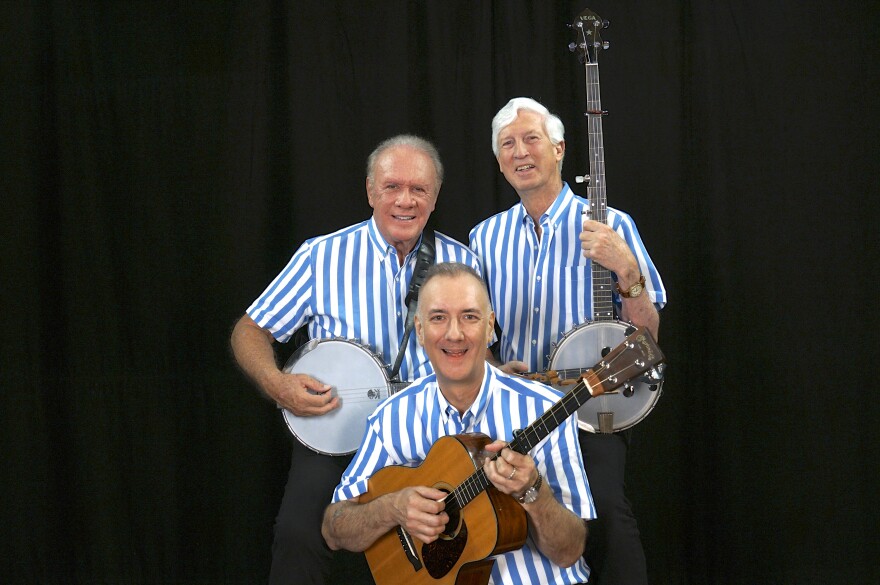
(588, 25)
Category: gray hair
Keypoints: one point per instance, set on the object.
(451, 270)
(506, 115)
(411, 141)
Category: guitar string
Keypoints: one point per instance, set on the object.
(478, 482)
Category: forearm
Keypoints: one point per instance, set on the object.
(253, 351)
(558, 533)
(641, 312)
(352, 526)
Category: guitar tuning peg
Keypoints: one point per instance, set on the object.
(606, 23)
(605, 44)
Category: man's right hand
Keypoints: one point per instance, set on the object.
(301, 394)
(419, 510)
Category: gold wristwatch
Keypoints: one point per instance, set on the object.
(633, 291)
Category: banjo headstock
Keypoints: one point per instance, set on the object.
(588, 41)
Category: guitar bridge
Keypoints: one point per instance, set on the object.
(409, 548)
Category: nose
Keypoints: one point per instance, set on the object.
(519, 149)
(405, 198)
(454, 330)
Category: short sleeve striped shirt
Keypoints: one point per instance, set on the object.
(349, 284)
(540, 289)
(404, 427)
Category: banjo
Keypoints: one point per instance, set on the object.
(355, 374)
(360, 380)
(589, 342)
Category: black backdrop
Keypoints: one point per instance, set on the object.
(162, 160)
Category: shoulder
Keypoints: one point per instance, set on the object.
(342, 233)
(317, 246)
(616, 218)
(444, 240)
(489, 224)
(449, 249)
(416, 392)
(525, 387)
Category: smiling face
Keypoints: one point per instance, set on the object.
(454, 324)
(402, 191)
(527, 157)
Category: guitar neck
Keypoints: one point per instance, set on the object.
(526, 439)
(633, 357)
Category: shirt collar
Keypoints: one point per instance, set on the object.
(560, 206)
(477, 411)
(382, 247)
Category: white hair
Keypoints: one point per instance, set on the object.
(506, 115)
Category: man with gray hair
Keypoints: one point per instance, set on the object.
(350, 284)
(469, 398)
(536, 258)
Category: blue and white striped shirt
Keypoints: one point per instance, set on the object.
(405, 425)
(540, 289)
(349, 284)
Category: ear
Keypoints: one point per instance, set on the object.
(369, 192)
(560, 150)
(419, 330)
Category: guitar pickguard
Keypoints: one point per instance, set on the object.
(441, 555)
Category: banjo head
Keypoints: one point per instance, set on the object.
(581, 348)
(356, 376)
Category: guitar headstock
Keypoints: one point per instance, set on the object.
(588, 39)
(637, 354)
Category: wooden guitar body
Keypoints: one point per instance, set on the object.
(483, 521)
(492, 523)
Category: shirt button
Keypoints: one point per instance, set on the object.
(536, 309)
(534, 342)
(539, 278)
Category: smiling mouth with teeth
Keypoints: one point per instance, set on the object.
(455, 352)
(525, 167)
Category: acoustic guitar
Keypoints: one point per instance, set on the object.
(482, 520)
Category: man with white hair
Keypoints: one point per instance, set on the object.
(536, 258)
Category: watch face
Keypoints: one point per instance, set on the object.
(635, 290)
(530, 496)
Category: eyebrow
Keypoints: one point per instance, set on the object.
(467, 310)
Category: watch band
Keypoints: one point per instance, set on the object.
(633, 291)
(531, 494)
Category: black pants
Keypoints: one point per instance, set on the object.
(614, 550)
(299, 553)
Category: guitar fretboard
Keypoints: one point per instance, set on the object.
(523, 442)
(633, 357)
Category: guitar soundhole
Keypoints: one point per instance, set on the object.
(454, 526)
